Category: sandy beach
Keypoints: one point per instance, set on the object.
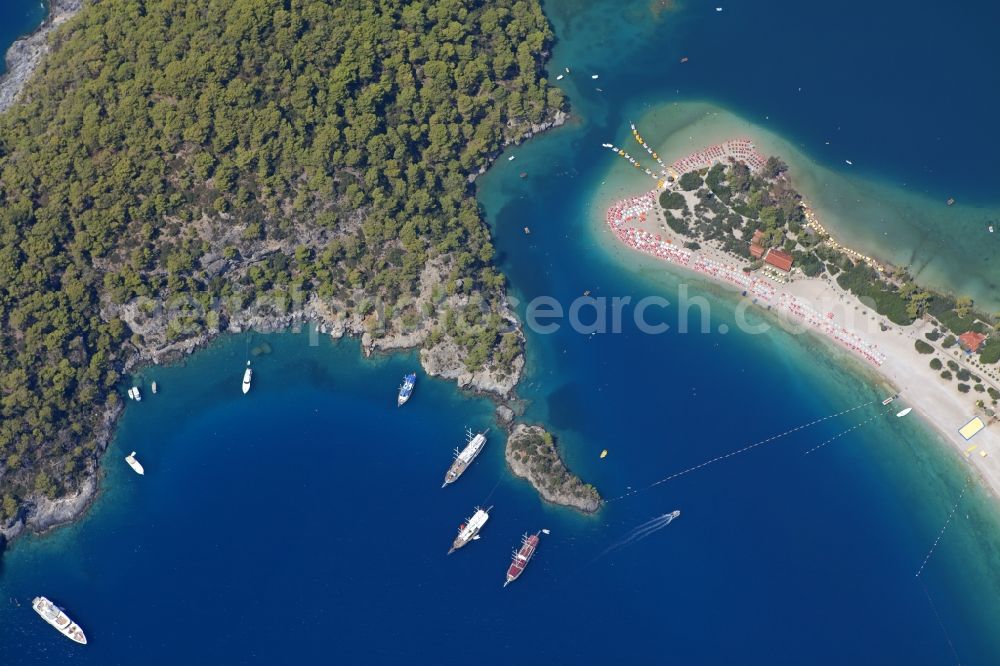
(820, 307)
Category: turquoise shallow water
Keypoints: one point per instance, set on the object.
(305, 521)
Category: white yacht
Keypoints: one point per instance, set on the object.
(154, 388)
(58, 619)
(134, 463)
(246, 378)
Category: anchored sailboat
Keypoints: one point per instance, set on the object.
(469, 530)
(474, 445)
(522, 556)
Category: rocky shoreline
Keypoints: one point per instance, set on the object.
(441, 357)
(25, 54)
(532, 454)
(558, 119)
(40, 514)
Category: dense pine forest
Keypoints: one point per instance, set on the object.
(221, 151)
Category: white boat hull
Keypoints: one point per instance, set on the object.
(58, 619)
(134, 464)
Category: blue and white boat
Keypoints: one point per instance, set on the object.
(406, 389)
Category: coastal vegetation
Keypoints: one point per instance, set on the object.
(738, 209)
(737, 203)
(191, 160)
(532, 454)
(990, 352)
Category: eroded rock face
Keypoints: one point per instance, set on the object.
(532, 454)
(45, 513)
(378, 333)
(504, 414)
(42, 513)
(446, 360)
(39, 513)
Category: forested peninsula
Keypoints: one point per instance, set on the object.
(175, 169)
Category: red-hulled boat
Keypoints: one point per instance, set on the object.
(522, 557)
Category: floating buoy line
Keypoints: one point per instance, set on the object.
(635, 134)
(851, 429)
(658, 177)
(753, 446)
(631, 160)
(943, 528)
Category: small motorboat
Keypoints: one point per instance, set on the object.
(604, 453)
(247, 377)
(134, 463)
(904, 412)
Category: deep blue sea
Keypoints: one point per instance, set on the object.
(305, 521)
